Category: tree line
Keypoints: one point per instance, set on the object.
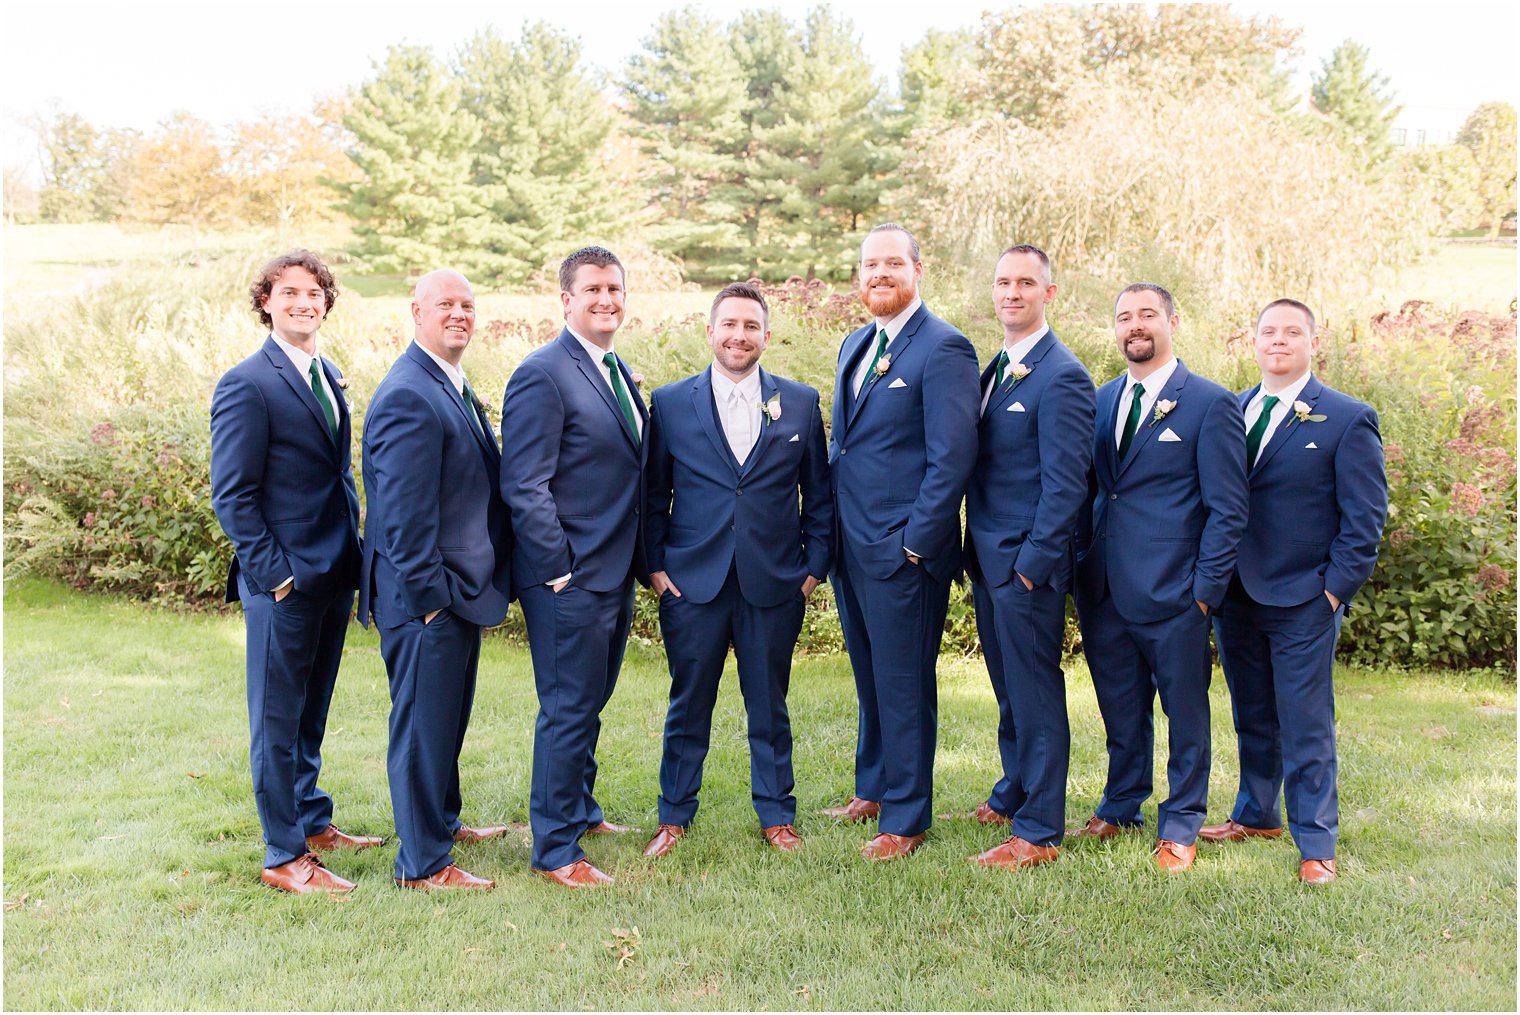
(764, 146)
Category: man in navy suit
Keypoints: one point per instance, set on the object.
(902, 450)
(732, 556)
(1034, 448)
(572, 475)
(1155, 551)
(282, 487)
(1319, 498)
(437, 569)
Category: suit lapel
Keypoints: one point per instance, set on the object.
(1147, 430)
(849, 359)
(487, 444)
(767, 425)
(345, 419)
(1037, 352)
(593, 374)
(894, 351)
(1108, 419)
(705, 409)
(1309, 396)
(301, 385)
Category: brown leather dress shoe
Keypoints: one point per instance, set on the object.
(887, 846)
(1317, 872)
(579, 874)
(467, 834)
(607, 828)
(782, 837)
(1096, 828)
(854, 809)
(984, 814)
(1174, 856)
(449, 878)
(1016, 853)
(305, 874)
(664, 840)
(333, 837)
(1234, 831)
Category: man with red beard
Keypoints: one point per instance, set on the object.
(904, 441)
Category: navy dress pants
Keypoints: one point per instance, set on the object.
(293, 650)
(697, 637)
(1277, 662)
(576, 638)
(1130, 664)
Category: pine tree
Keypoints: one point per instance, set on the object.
(1358, 103)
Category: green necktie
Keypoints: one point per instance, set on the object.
(1259, 429)
(472, 404)
(1133, 421)
(610, 362)
(323, 400)
(1000, 371)
(881, 348)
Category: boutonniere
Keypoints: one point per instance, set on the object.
(1304, 413)
(1019, 371)
(883, 365)
(638, 378)
(343, 383)
(1163, 406)
(772, 409)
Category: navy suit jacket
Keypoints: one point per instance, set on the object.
(1034, 449)
(282, 485)
(436, 535)
(1164, 525)
(572, 472)
(902, 452)
(1319, 497)
(726, 515)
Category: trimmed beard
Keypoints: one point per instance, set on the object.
(887, 307)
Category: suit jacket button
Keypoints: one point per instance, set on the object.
(844, 451)
(739, 491)
(1113, 496)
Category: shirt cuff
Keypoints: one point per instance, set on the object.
(912, 554)
(288, 581)
(555, 581)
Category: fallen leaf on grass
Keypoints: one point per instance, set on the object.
(983, 991)
(1436, 732)
(471, 951)
(509, 923)
(624, 945)
(196, 775)
(1445, 933)
(98, 693)
(805, 992)
(108, 838)
(65, 703)
(17, 903)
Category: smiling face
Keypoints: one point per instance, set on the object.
(1021, 288)
(889, 276)
(444, 313)
(594, 304)
(296, 306)
(738, 335)
(1142, 327)
(1285, 345)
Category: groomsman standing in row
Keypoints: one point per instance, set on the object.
(732, 453)
(1155, 556)
(1034, 448)
(437, 569)
(1319, 498)
(902, 450)
(573, 477)
(282, 486)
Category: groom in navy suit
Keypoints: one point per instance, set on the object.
(572, 475)
(902, 449)
(1033, 451)
(282, 487)
(1319, 498)
(1155, 551)
(437, 569)
(732, 452)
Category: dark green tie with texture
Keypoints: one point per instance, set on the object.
(1259, 429)
(610, 362)
(323, 400)
(1133, 421)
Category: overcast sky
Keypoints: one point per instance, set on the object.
(130, 63)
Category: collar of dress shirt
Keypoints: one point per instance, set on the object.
(453, 373)
(893, 326)
(299, 357)
(748, 386)
(593, 350)
(1154, 381)
(1285, 396)
(1018, 350)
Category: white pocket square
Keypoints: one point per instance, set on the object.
(794, 438)
(1167, 435)
(1313, 445)
(1017, 407)
(899, 383)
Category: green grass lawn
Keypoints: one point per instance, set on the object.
(132, 853)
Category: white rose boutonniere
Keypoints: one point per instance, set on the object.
(638, 378)
(1163, 406)
(1018, 371)
(772, 409)
(883, 365)
(1304, 413)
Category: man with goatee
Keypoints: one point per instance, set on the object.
(902, 450)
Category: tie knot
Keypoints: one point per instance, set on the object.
(610, 360)
(1139, 390)
(1269, 403)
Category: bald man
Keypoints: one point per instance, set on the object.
(437, 569)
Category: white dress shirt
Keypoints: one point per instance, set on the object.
(1154, 383)
(738, 404)
(891, 327)
(596, 353)
(1285, 400)
(1016, 353)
